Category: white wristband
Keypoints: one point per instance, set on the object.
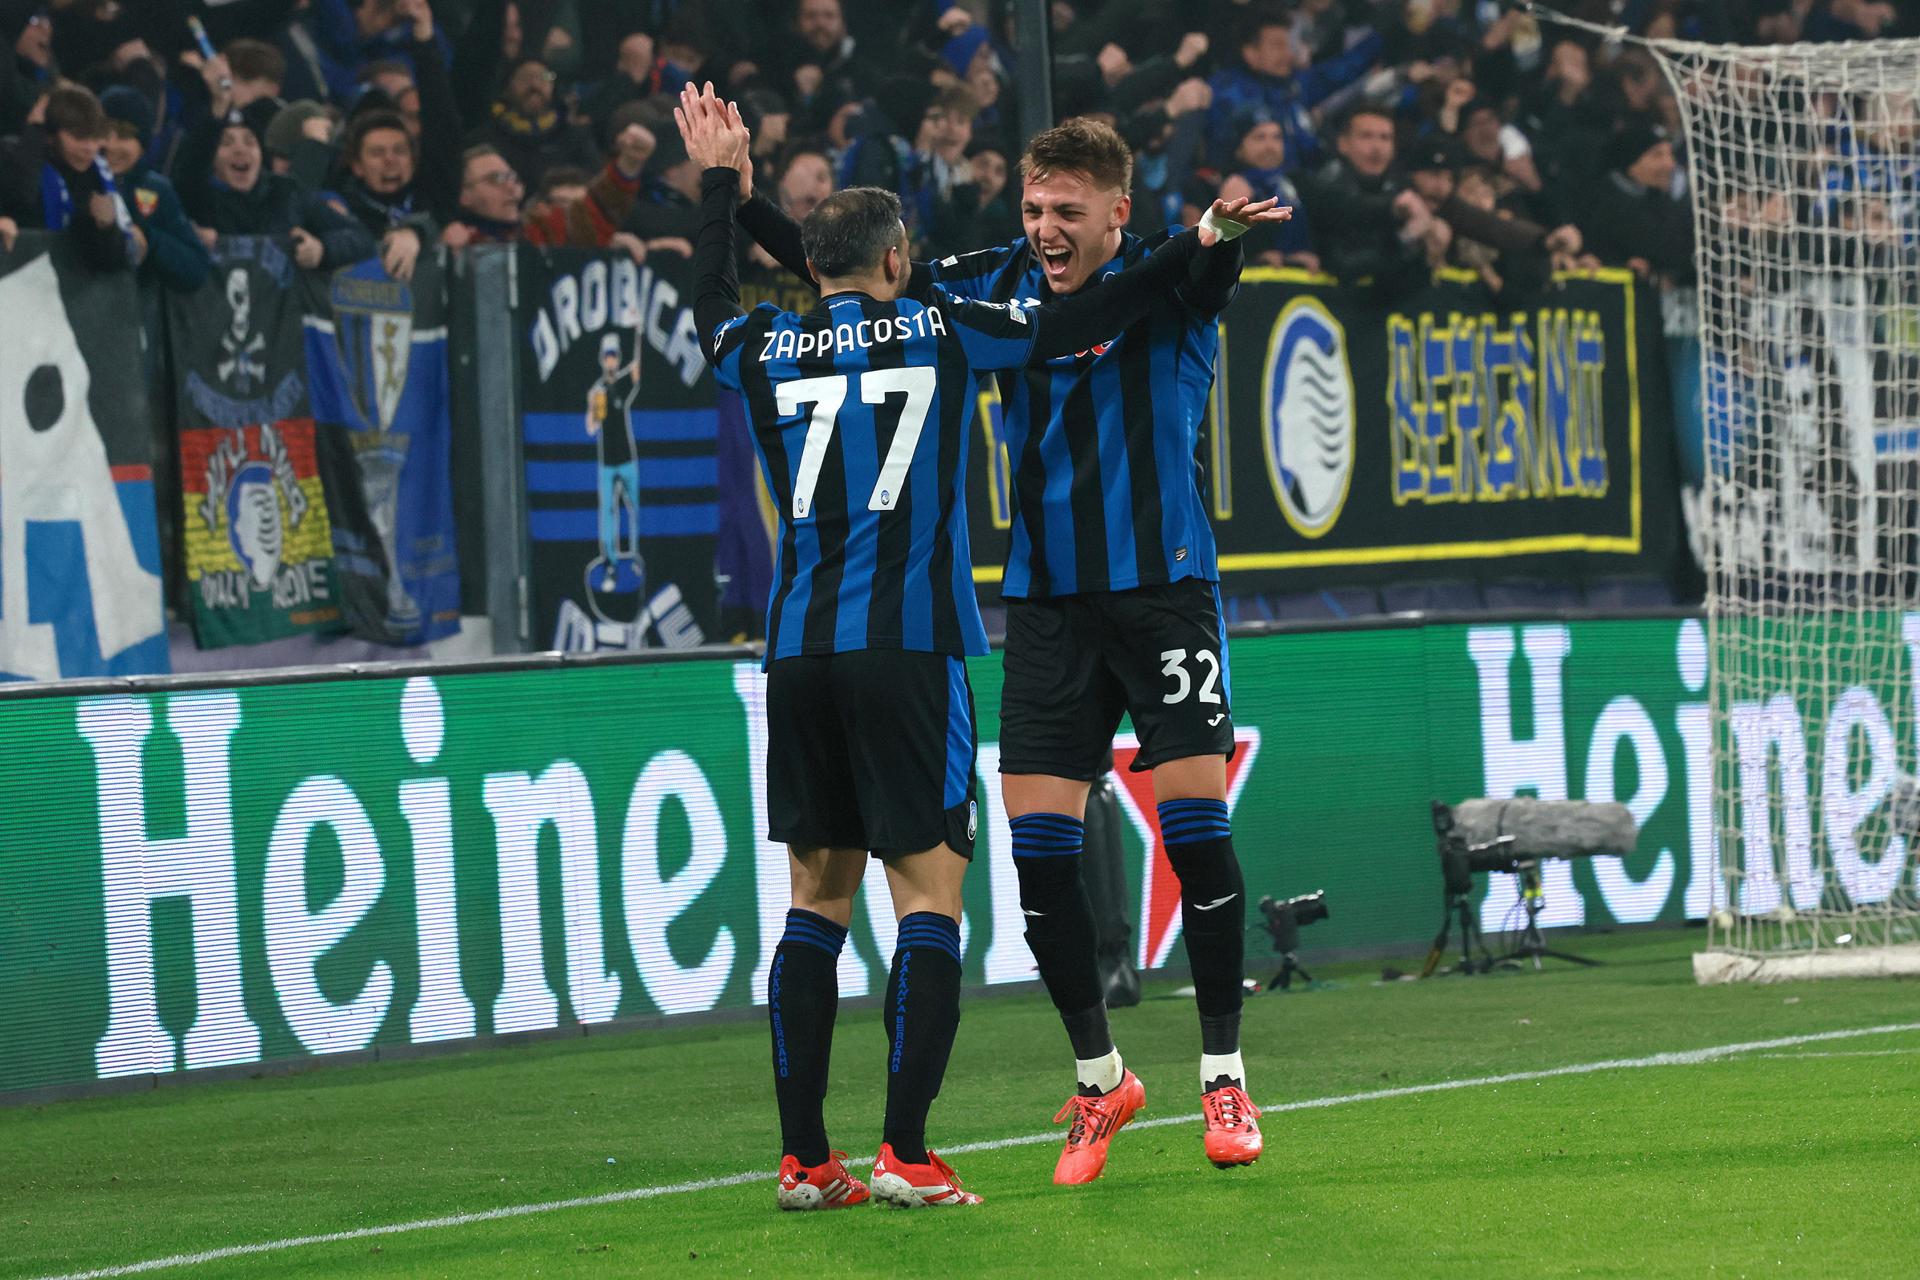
(1226, 228)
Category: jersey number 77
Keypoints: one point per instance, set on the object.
(827, 394)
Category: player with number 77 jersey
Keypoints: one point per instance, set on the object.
(859, 409)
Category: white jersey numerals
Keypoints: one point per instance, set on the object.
(827, 395)
(1182, 683)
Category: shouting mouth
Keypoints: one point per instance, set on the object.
(1056, 262)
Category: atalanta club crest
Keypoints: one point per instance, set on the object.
(253, 502)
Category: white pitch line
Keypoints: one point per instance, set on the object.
(1682, 1058)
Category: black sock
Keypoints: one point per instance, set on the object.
(803, 994)
(1213, 913)
(1060, 930)
(922, 1013)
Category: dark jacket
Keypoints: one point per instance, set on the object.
(175, 257)
(277, 205)
(1362, 231)
(1621, 220)
(23, 163)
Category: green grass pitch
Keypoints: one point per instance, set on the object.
(1800, 1159)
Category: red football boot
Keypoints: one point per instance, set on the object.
(1233, 1136)
(1094, 1122)
(914, 1186)
(822, 1186)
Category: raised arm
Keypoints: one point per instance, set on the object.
(716, 289)
(718, 140)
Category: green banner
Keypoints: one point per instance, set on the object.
(225, 876)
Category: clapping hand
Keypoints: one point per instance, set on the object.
(716, 136)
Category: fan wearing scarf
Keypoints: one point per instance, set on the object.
(52, 177)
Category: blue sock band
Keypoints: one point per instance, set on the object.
(1047, 835)
(1192, 821)
(806, 928)
(932, 930)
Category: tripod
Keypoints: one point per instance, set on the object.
(1456, 904)
(1290, 967)
(1532, 944)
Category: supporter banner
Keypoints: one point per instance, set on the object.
(376, 351)
(221, 876)
(257, 539)
(1445, 436)
(618, 437)
(79, 543)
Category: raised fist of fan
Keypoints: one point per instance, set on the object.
(716, 136)
(1231, 219)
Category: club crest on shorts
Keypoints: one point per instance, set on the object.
(1308, 424)
(973, 818)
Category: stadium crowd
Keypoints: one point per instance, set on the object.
(1408, 134)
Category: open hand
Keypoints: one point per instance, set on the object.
(1233, 218)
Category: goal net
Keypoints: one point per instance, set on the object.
(1804, 167)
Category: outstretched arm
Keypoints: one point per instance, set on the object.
(1091, 316)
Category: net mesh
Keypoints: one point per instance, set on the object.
(1804, 167)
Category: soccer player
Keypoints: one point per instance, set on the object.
(859, 409)
(1113, 606)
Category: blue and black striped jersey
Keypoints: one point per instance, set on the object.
(1106, 482)
(859, 409)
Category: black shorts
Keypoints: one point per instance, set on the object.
(873, 750)
(1075, 663)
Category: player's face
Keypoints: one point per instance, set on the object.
(1073, 225)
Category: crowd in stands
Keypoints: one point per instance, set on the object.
(1408, 134)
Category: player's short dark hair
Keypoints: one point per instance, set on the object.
(850, 231)
(73, 110)
(255, 60)
(1081, 146)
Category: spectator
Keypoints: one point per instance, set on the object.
(824, 69)
(997, 220)
(50, 178)
(299, 142)
(1260, 174)
(636, 77)
(1371, 225)
(1632, 218)
(531, 129)
(380, 192)
(563, 184)
(805, 179)
(235, 195)
(175, 257)
(666, 210)
(1269, 76)
(595, 219)
(23, 73)
(1504, 250)
(930, 173)
(490, 197)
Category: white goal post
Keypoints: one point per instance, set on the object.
(1804, 168)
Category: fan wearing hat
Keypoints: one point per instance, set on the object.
(1632, 218)
(1260, 158)
(175, 256)
(50, 178)
(228, 189)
